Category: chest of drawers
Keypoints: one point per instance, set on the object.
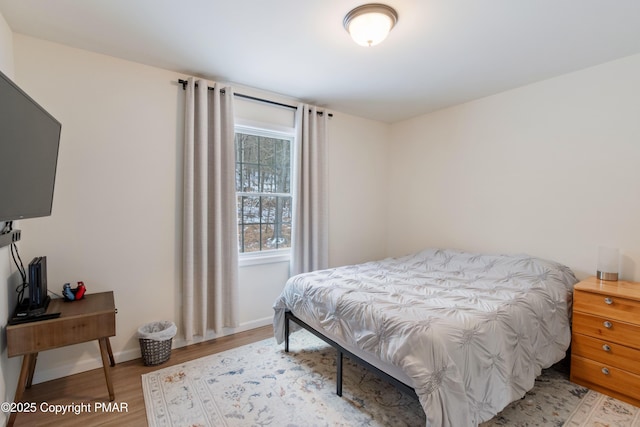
(605, 345)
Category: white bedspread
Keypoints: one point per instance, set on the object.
(472, 331)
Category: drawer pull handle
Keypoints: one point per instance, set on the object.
(605, 371)
(608, 300)
(606, 347)
(607, 324)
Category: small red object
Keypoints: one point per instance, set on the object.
(80, 290)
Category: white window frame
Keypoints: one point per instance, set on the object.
(273, 131)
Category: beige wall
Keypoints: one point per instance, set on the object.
(114, 217)
(116, 212)
(547, 169)
(9, 368)
(358, 188)
(6, 48)
(550, 169)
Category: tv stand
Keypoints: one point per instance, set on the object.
(88, 319)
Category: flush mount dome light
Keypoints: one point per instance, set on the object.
(370, 24)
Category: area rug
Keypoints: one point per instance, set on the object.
(261, 385)
(597, 409)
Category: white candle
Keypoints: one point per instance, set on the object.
(608, 260)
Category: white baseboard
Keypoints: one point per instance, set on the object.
(246, 326)
(87, 364)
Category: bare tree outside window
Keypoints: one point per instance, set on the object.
(263, 187)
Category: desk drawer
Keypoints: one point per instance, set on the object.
(610, 306)
(606, 352)
(596, 326)
(48, 334)
(585, 371)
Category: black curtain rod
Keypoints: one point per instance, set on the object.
(184, 84)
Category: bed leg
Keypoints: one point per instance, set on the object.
(339, 374)
(286, 333)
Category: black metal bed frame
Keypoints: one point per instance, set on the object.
(341, 352)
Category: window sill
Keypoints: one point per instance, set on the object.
(265, 257)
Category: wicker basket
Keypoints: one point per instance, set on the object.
(155, 352)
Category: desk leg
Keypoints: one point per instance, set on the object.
(32, 369)
(106, 357)
(27, 363)
(111, 359)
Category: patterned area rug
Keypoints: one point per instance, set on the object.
(597, 409)
(259, 385)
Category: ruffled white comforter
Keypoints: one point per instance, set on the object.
(471, 331)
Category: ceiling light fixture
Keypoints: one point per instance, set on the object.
(370, 24)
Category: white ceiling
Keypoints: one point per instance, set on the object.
(441, 52)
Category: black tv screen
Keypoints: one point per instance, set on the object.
(29, 141)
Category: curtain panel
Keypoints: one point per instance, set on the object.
(210, 244)
(310, 223)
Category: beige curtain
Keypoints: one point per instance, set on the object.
(210, 244)
(310, 228)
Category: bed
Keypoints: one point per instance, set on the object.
(468, 332)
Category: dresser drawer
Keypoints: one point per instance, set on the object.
(596, 326)
(586, 372)
(613, 307)
(606, 352)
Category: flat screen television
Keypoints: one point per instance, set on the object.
(29, 141)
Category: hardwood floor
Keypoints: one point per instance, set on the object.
(88, 389)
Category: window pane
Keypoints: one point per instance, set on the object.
(283, 166)
(286, 236)
(249, 210)
(268, 213)
(268, 179)
(263, 167)
(251, 238)
(286, 210)
(249, 148)
(267, 151)
(274, 239)
(267, 237)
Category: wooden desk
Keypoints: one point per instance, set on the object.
(91, 318)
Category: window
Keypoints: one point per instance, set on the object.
(263, 188)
